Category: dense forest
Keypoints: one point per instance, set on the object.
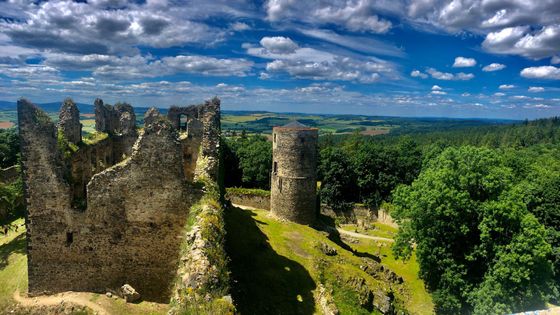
(479, 205)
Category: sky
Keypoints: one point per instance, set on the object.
(459, 58)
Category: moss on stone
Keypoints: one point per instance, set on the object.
(95, 137)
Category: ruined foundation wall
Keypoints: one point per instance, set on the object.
(130, 231)
(293, 180)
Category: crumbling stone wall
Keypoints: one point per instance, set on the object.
(293, 180)
(69, 121)
(131, 226)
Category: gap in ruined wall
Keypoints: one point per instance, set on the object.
(110, 144)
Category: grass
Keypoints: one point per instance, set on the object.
(94, 137)
(277, 267)
(88, 125)
(13, 265)
(419, 300)
(377, 229)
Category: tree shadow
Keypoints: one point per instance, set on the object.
(15, 246)
(327, 224)
(263, 282)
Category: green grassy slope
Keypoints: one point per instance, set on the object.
(277, 268)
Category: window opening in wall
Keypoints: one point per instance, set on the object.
(275, 167)
(69, 238)
(274, 138)
(183, 122)
(302, 140)
(280, 184)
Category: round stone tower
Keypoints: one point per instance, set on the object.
(294, 170)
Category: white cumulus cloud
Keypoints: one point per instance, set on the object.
(506, 86)
(542, 72)
(279, 45)
(493, 67)
(461, 76)
(536, 89)
(462, 62)
(417, 73)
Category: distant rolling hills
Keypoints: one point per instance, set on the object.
(262, 122)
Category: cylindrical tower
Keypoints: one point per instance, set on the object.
(293, 184)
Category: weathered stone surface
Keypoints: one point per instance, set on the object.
(138, 198)
(294, 168)
(127, 119)
(326, 301)
(327, 249)
(249, 200)
(128, 293)
(151, 115)
(69, 121)
(119, 119)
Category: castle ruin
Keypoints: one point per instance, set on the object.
(294, 173)
(110, 210)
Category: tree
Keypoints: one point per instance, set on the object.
(248, 162)
(380, 168)
(9, 147)
(338, 188)
(12, 203)
(479, 248)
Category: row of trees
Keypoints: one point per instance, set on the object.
(362, 170)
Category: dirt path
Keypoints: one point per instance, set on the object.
(359, 235)
(340, 231)
(78, 298)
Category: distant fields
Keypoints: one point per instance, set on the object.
(234, 122)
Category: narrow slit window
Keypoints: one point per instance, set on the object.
(275, 167)
(69, 238)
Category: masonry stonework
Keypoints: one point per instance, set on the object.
(110, 212)
(294, 167)
(69, 121)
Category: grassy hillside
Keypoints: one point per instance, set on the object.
(279, 267)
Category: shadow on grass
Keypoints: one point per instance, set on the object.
(264, 282)
(17, 245)
(327, 224)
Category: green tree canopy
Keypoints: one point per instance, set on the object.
(479, 248)
(248, 160)
(338, 179)
(9, 147)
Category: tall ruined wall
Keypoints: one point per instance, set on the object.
(131, 226)
(293, 180)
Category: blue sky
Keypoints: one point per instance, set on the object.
(466, 58)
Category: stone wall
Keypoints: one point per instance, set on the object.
(69, 121)
(359, 213)
(248, 199)
(294, 169)
(136, 201)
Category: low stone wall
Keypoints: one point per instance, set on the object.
(359, 214)
(255, 198)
